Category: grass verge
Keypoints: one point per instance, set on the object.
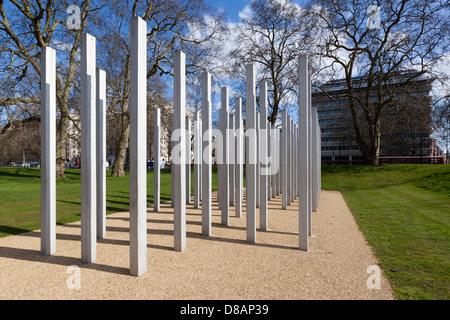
(404, 213)
(20, 196)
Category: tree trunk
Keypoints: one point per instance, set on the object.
(121, 152)
(374, 159)
(374, 153)
(61, 141)
(273, 116)
(370, 153)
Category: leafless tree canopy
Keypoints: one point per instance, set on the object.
(272, 37)
(191, 26)
(412, 35)
(25, 27)
(410, 40)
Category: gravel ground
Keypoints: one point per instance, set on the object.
(223, 266)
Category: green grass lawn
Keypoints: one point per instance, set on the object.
(404, 213)
(20, 197)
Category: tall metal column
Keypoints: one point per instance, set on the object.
(179, 150)
(138, 150)
(88, 151)
(48, 151)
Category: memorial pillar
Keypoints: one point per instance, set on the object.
(172, 172)
(310, 157)
(224, 165)
(303, 148)
(138, 147)
(284, 159)
(258, 163)
(274, 154)
(239, 157)
(206, 154)
(179, 150)
(88, 151)
(157, 160)
(101, 153)
(263, 158)
(251, 143)
(314, 160)
(188, 160)
(232, 159)
(269, 156)
(278, 137)
(197, 160)
(48, 151)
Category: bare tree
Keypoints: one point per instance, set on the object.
(25, 27)
(441, 109)
(155, 99)
(407, 127)
(20, 143)
(184, 25)
(272, 37)
(411, 35)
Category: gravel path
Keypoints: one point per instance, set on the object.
(222, 266)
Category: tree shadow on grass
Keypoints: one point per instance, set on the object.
(376, 186)
(8, 230)
(374, 177)
(28, 173)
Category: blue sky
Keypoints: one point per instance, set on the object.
(231, 7)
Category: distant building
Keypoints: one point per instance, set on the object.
(338, 143)
(73, 148)
(165, 137)
(165, 144)
(435, 151)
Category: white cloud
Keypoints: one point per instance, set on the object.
(245, 13)
(62, 46)
(441, 69)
